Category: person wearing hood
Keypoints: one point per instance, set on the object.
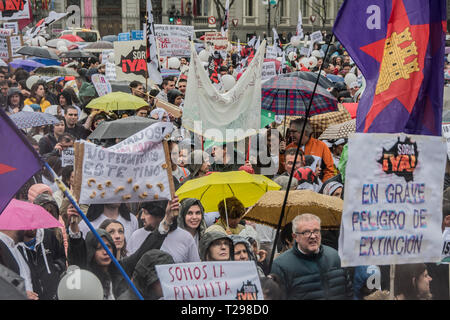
(179, 243)
(191, 218)
(48, 142)
(15, 101)
(89, 254)
(243, 251)
(145, 277)
(216, 246)
(175, 97)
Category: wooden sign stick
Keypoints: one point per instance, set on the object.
(169, 170)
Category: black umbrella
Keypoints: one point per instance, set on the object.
(120, 86)
(12, 286)
(76, 54)
(122, 128)
(98, 46)
(37, 52)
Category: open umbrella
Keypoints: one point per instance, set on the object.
(268, 208)
(213, 188)
(56, 71)
(339, 131)
(121, 128)
(22, 215)
(122, 86)
(72, 38)
(290, 96)
(54, 43)
(28, 119)
(46, 62)
(310, 76)
(28, 65)
(352, 108)
(117, 101)
(37, 52)
(322, 121)
(76, 54)
(98, 46)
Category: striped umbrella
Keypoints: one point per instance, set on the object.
(291, 95)
(28, 119)
(339, 131)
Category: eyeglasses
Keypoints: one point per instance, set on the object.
(309, 233)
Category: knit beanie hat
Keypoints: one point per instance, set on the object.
(37, 189)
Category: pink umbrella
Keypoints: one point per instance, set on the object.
(21, 215)
(351, 107)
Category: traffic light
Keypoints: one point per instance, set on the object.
(171, 12)
(171, 19)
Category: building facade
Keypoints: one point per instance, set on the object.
(247, 17)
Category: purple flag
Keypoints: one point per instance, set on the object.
(18, 160)
(399, 47)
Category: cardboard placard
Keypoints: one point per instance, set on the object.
(169, 30)
(219, 280)
(219, 41)
(130, 60)
(101, 84)
(268, 70)
(393, 200)
(67, 157)
(174, 47)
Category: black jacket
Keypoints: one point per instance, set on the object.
(313, 277)
(48, 251)
(7, 259)
(81, 253)
(47, 143)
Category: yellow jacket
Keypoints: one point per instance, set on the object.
(44, 103)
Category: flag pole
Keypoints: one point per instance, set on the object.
(63, 188)
(283, 208)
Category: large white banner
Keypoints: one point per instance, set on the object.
(210, 113)
(226, 280)
(169, 30)
(393, 200)
(133, 170)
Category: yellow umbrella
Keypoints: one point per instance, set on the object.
(213, 188)
(268, 208)
(117, 101)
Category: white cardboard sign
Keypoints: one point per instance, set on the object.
(101, 84)
(133, 170)
(174, 47)
(219, 280)
(268, 70)
(67, 157)
(393, 200)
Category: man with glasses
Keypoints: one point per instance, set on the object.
(310, 270)
(4, 87)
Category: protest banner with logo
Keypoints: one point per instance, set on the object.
(271, 52)
(101, 84)
(221, 280)
(174, 47)
(130, 60)
(134, 170)
(14, 26)
(67, 157)
(169, 30)
(393, 200)
(217, 40)
(268, 70)
(14, 9)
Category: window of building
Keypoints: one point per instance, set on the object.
(284, 12)
(201, 8)
(303, 6)
(250, 12)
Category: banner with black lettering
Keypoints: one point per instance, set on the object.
(130, 60)
(393, 200)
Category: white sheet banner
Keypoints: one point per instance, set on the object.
(133, 170)
(393, 200)
(174, 47)
(210, 113)
(226, 280)
(271, 52)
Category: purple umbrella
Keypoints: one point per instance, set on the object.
(28, 65)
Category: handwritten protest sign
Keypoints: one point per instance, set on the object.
(168, 30)
(226, 280)
(174, 47)
(130, 60)
(101, 84)
(393, 200)
(14, 26)
(133, 170)
(268, 70)
(9, 44)
(219, 41)
(271, 52)
(67, 157)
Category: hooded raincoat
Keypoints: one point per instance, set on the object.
(207, 240)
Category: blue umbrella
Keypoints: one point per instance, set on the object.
(28, 65)
(47, 62)
(28, 119)
(335, 78)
